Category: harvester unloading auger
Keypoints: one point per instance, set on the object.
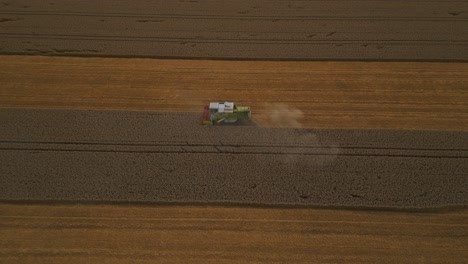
(227, 112)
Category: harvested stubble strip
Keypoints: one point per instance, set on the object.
(360, 168)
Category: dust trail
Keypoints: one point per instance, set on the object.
(303, 148)
(284, 116)
(310, 150)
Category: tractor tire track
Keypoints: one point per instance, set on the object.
(231, 149)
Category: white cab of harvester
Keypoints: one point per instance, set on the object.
(214, 105)
(226, 107)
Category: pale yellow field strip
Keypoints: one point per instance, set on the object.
(329, 94)
(123, 234)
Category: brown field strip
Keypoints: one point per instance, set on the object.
(410, 30)
(328, 94)
(122, 234)
(77, 155)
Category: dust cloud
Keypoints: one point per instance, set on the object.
(286, 117)
(301, 148)
(306, 149)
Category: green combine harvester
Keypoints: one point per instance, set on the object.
(227, 112)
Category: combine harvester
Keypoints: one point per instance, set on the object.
(227, 112)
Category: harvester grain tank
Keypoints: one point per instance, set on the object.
(225, 112)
